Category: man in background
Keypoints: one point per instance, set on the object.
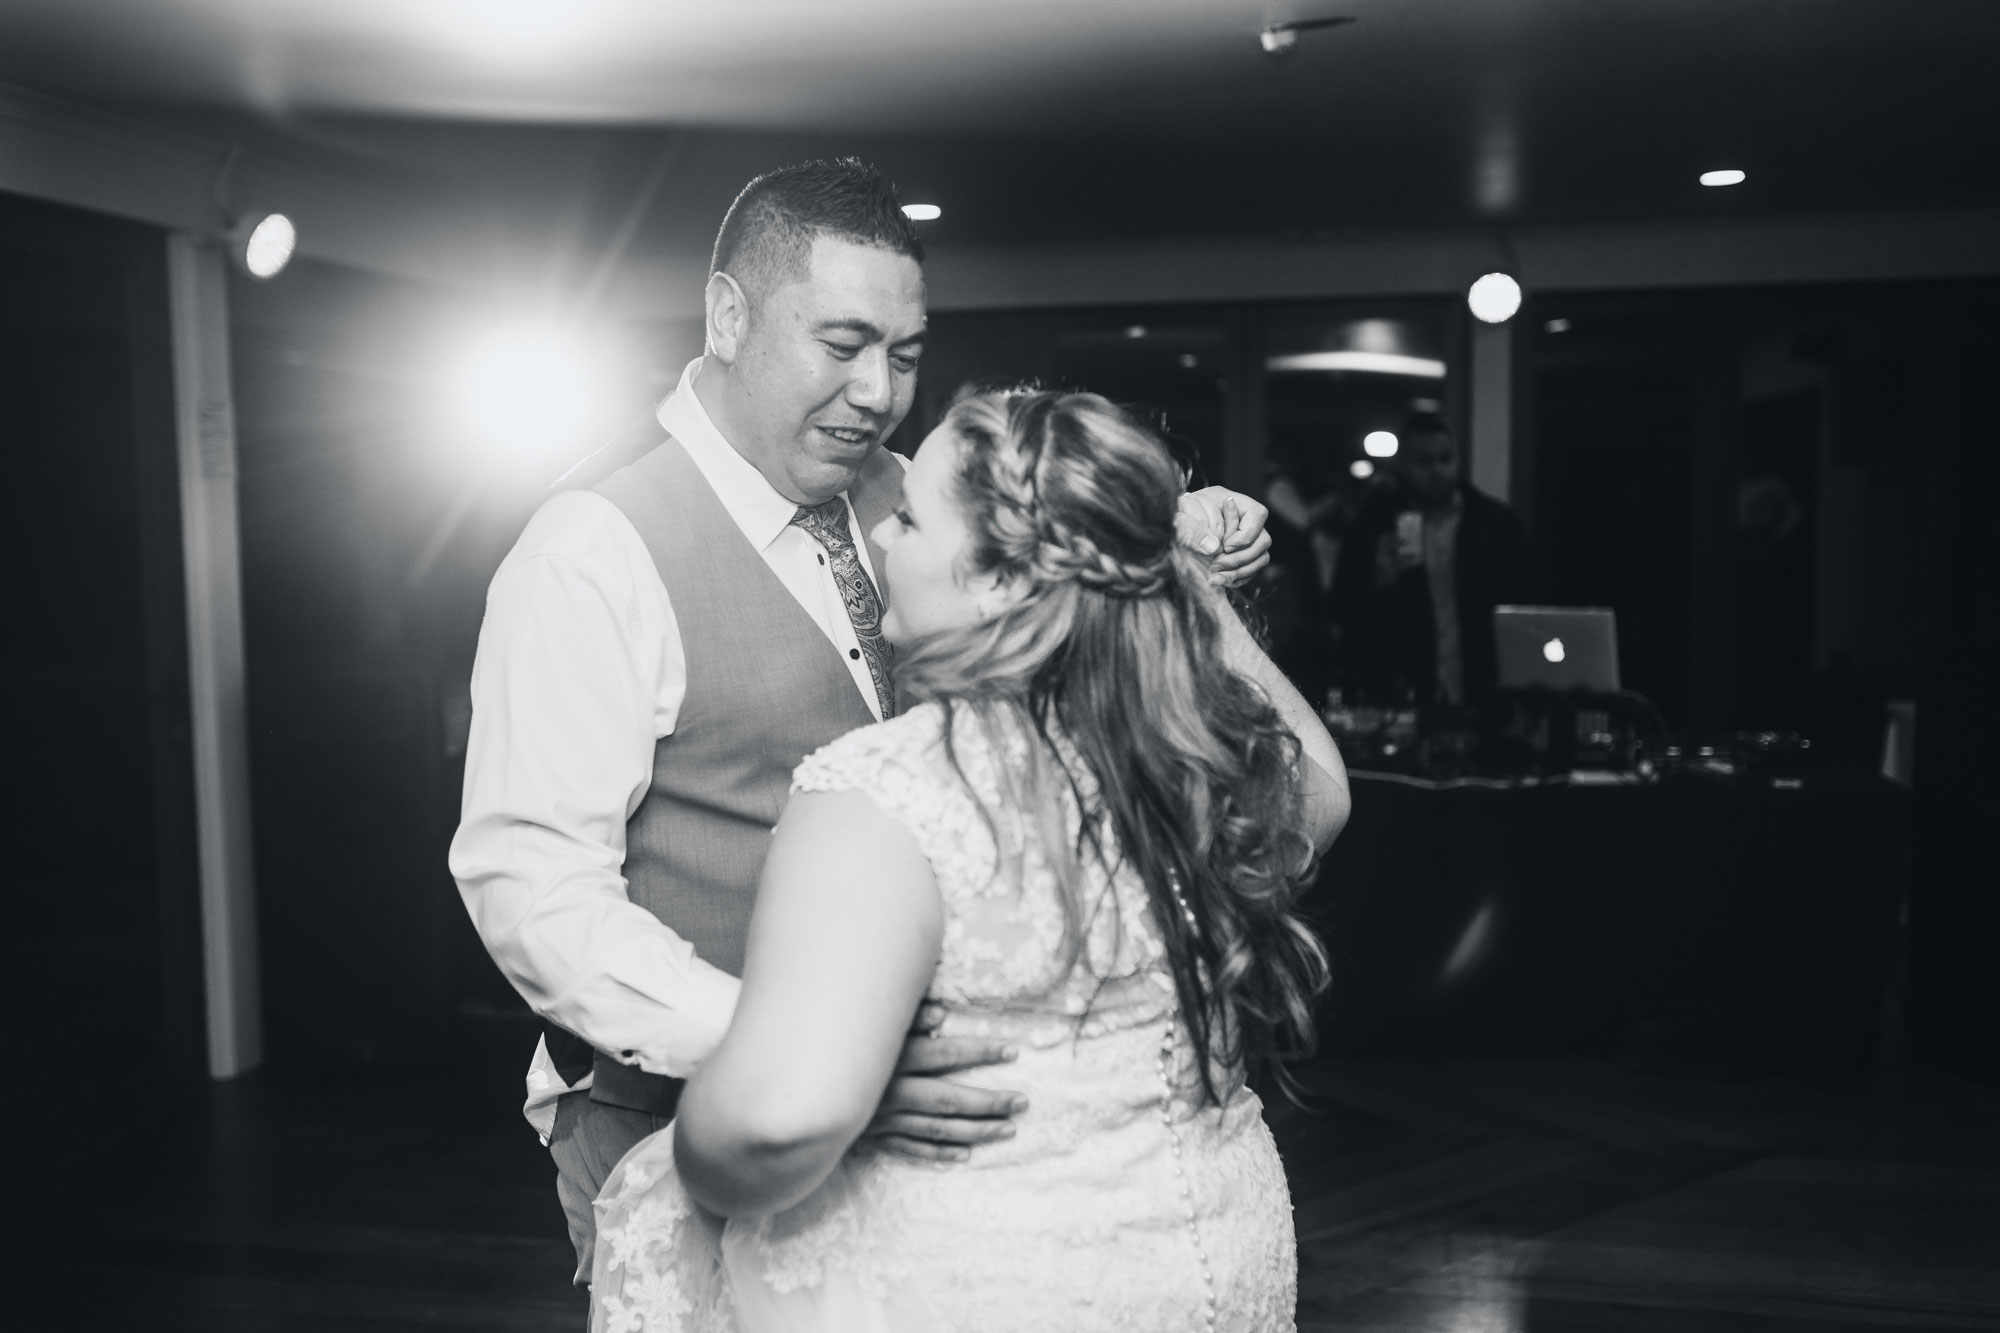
(1426, 560)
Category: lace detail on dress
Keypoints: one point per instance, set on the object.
(1004, 917)
(659, 1259)
(1117, 1207)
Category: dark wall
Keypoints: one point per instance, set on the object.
(1954, 910)
(1788, 495)
(353, 648)
(101, 948)
(1739, 474)
(370, 531)
(368, 544)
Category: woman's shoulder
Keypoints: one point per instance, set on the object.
(906, 769)
(905, 741)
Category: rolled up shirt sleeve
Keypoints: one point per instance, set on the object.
(579, 671)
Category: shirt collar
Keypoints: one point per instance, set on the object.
(760, 512)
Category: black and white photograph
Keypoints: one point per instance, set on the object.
(1001, 666)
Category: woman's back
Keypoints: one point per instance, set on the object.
(1118, 1204)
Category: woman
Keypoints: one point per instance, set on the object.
(1085, 837)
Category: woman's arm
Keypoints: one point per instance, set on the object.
(842, 945)
(1327, 802)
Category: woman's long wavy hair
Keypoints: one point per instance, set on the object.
(1109, 638)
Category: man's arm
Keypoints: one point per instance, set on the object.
(574, 667)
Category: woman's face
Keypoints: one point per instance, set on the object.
(924, 541)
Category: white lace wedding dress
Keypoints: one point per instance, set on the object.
(1117, 1206)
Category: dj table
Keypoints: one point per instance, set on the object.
(1743, 928)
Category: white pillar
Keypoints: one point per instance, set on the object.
(1492, 414)
(205, 429)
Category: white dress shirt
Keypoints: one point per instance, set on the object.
(580, 669)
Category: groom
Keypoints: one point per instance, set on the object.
(659, 653)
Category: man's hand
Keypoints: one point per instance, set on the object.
(1228, 528)
(928, 1117)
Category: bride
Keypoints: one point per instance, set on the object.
(1085, 838)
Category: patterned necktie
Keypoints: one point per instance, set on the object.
(827, 524)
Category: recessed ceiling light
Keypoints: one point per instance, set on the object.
(922, 212)
(1361, 469)
(1135, 330)
(1729, 176)
(1367, 363)
(1557, 325)
(1189, 360)
(1380, 444)
(1494, 298)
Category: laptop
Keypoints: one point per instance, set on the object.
(1557, 647)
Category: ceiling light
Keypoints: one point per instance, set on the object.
(922, 212)
(1494, 298)
(1380, 444)
(1189, 360)
(1135, 330)
(1280, 39)
(1730, 176)
(1557, 325)
(1361, 469)
(1368, 363)
(262, 243)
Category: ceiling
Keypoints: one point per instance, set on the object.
(1032, 120)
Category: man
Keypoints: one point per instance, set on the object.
(1426, 560)
(660, 651)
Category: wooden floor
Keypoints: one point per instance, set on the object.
(1570, 1196)
(1559, 1196)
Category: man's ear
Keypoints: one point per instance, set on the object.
(728, 315)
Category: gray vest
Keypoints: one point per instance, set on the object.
(765, 688)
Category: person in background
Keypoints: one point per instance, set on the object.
(1308, 518)
(1427, 560)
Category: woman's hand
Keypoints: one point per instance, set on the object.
(1226, 528)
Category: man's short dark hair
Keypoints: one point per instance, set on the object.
(767, 235)
(1424, 424)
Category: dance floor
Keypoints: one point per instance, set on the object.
(1550, 1196)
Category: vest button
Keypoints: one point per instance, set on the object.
(822, 560)
(854, 653)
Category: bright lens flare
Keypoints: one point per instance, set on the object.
(1494, 298)
(1380, 444)
(526, 392)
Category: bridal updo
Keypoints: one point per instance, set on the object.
(1103, 630)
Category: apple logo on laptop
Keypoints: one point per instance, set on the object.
(1553, 650)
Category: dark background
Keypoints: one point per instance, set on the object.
(1784, 489)
(365, 558)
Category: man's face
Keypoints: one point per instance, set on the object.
(828, 367)
(1430, 468)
